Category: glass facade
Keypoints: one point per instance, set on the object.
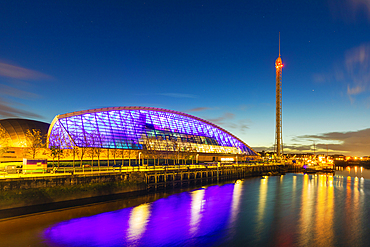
(142, 128)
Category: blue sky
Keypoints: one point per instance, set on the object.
(212, 59)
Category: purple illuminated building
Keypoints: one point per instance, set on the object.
(138, 128)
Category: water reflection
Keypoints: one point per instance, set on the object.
(262, 198)
(197, 204)
(353, 171)
(238, 188)
(324, 211)
(353, 208)
(262, 205)
(320, 210)
(294, 191)
(306, 211)
(303, 210)
(235, 206)
(138, 220)
(330, 211)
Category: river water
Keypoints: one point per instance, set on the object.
(289, 210)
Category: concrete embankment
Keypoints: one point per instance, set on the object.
(34, 191)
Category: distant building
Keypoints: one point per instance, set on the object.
(146, 130)
(16, 131)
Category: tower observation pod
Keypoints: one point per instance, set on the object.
(278, 135)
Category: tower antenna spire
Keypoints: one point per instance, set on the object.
(279, 44)
(278, 135)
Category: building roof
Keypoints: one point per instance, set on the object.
(17, 128)
(105, 116)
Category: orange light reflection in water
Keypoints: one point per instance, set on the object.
(294, 188)
(261, 205)
(235, 206)
(348, 205)
(324, 232)
(354, 209)
(305, 222)
(348, 169)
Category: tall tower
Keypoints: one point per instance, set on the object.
(278, 136)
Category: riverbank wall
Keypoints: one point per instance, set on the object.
(40, 190)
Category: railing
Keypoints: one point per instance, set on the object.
(87, 169)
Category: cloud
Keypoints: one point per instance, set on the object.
(354, 71)
(241, 126)
(349, 10)
(354, 143)
(351, 142)
(227, 120)
(220, 120)
(7, 111)
(199, 109)
(179, 95)
(173, 95)
(357, 63)
(14, 92)
(263, 148)
(296, 148)
(16, 72)
(18, 76)
(244, 107)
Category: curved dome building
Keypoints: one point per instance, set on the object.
(16, 129)
(138, 128)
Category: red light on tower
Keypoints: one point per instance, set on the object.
(279, 65)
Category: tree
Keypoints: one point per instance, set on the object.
(55, 147)
(81, 151)
(35, 141)
(98, 152)
(125, 149)
(176, 145)
(190, 153)
(122, 156)
(71, 150)
(128, 154)
(160, 147)
(108, 151)
(91, 153)
(56, 152)
(151, 149)
(146, 150)
(4, 141)
(155, 149)
(167, 150)
(94, 145)
(114, 152)
(74, 150)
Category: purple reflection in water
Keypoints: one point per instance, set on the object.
(188, 218)
(289, 210)
(98, 230)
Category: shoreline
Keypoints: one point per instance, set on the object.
(62, 192)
